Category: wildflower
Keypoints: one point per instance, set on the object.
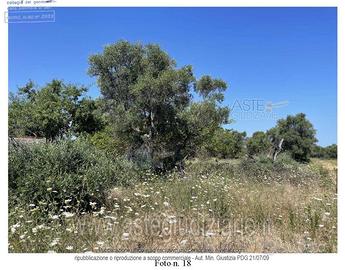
(68, 201)
(54, 242)
(68, 214)
(321, 225)
(125, 236)
(14, 227)
(55, 217)
(183, 242)
(49, 189)
(92, 204)
(166, 204)
(32, 205)
(172, 219)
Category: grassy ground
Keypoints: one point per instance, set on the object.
(214, 207)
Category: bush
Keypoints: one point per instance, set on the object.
(286, 158)
(284, 169)
(226, 144)
(65, 174)
(106, 142)
(258, 144)
(328, 152)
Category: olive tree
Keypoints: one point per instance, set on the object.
(149, 100)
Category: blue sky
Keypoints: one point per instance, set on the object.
(266, 55)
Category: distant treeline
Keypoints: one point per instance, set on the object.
(328, 152)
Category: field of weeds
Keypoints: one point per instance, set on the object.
(227, 206)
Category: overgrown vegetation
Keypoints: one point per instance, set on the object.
(145, 150)
(223, 206)
(69, 175)
(328, 152)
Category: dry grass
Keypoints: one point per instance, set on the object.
(205, 210)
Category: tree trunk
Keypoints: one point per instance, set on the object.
(277, 149)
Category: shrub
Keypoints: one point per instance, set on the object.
(285, 169)
(258, 144)
(328, 152)
(106, 142)
(286, 158)
(226, 144)
(65, 174)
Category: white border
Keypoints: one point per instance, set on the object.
(66, 261)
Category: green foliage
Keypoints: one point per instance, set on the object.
(64, 175)
(51, 111)
(298, 134)
(258, 144)
(105, 141)
(149, 100)
(226, 144)
(286, 159)
(85, 119)
(211, 88)
(203, 119)
(328, 152)
(331, 151)
(284, 169)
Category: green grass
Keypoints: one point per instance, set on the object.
(223, 206)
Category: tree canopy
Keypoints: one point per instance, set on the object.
(258, 144)
(149, 100)
(51, 111)
(298, 136)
